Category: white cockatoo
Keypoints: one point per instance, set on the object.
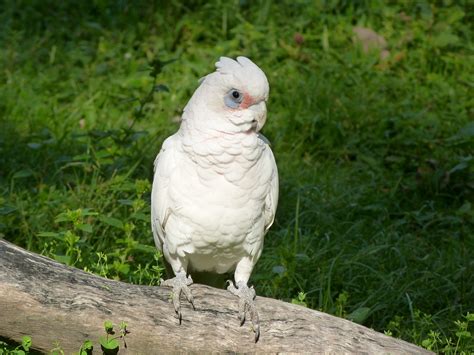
(215, 186)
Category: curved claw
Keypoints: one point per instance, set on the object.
(246, 304)
(255, 322)
(188, 295)
(180, 284)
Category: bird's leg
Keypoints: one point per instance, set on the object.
(180, 284)
(246, 294)
(246, 304)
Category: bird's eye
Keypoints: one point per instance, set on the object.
(233, 98)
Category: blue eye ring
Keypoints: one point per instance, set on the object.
(233, 98)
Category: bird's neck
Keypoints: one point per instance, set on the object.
(220, 151)
(206, 124)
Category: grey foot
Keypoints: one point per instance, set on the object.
(180, 285)
(246, 304)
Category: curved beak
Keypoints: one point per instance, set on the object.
(260, 114)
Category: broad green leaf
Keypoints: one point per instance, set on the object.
(86, 348)
(6, 209)
(108, 326)
(461, 166)
(110, 344)
(63, 259)
(445, 39)
(62, 217)
(145, 248)
(465, 208)
(279, 269)
(467, 131)
(359, 315)
(114, 222)
(88, 212)
(81, 157)
(455, 14)
(161, 87)
(26, 342)
(126, 202)
(85, 227)
(140, 216)
(34, 146)
(22, 174)
(463, 334)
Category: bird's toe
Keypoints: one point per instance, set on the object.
(180, 284)
(246, 305)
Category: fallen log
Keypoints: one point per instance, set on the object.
(52, 303)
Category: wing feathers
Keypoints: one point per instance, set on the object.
(160, 206)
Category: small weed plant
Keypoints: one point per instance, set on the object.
(109, 343)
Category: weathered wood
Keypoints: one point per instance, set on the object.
(52, 302)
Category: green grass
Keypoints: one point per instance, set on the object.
(376, 217)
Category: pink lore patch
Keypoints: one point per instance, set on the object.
(247, 101)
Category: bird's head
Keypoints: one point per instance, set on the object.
(233, 98)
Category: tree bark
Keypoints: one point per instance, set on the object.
(52, 303)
